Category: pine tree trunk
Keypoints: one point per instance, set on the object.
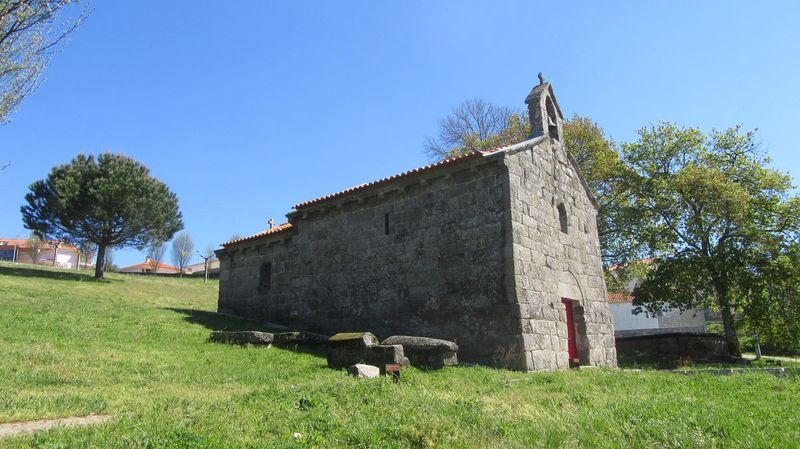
(101, 261)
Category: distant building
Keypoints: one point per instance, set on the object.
(213, 267)
(65, 255)
(147, 267)
(627, 324)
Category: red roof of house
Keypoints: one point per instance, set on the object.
(616, 297)
(147, 266)
(23, 243)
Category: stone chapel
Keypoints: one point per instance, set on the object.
(495, 250)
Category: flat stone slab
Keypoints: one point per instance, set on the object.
(242, 338)
(27, 427)
(363, 371)
(354, 338)
(425, 351)
(299, 339)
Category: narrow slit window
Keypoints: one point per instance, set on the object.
(562, 217)
(386, 224)
(265, 277)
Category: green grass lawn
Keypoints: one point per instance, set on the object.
(136, 347)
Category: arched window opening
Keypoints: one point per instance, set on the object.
(552, 123)
(562, 217)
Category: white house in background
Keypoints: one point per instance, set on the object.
(627, 324)
(66, 255)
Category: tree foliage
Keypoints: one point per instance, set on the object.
(155, 254)
(34, 246)
(108, 261)
(771, 305)
(86, 251)
(713, 211)
(477, 125)
(182, 250)
(29, 31)
(608, 177)
(110, 201)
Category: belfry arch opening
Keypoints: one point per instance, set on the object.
(552, 121)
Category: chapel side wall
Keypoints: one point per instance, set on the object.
(549, 264)
(439, 272)
(240, 265)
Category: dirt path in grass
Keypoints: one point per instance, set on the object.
(23, 427)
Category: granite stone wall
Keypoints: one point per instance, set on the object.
(555, 255)
(424, 257)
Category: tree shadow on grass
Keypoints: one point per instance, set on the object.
(54, 274)
(217, 322)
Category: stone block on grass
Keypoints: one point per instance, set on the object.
(347, 349)
(426, 352)
(363, 371)
(255, 338)
(382, 355)
(299, 339)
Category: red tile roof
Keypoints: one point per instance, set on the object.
(147, 266)
(276, 230)
(380, 182)
(23, 243)
(383, 181)
(616, 297)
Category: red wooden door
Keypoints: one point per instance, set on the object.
(572, 347)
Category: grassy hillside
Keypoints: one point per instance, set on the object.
(136, 347)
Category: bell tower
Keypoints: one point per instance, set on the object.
(543, 111)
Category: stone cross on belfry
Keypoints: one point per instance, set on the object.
(271, 223)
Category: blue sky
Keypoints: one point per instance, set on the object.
(247, 108)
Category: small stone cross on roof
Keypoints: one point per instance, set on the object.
(271, 223)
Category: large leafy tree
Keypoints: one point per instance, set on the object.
(29, 32)
(714, 212)
(111, 201)
(609, 179)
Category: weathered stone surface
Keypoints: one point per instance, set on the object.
(364, 371)
(242, 337)
(479, 251)
(346, 349)
(381, 355)
(424, 351)
(299, 338)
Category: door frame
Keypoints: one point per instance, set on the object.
(572, 333)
